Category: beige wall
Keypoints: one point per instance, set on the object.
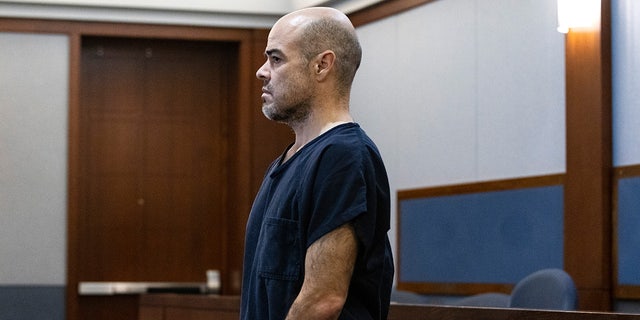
(33, 158)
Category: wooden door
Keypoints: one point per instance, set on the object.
(153, 154)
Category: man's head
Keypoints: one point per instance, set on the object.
(332, 30)
(310, 53)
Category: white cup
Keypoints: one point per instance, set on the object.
(213, 281)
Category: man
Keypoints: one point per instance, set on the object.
(316, 243)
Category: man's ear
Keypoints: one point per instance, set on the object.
(324, 63)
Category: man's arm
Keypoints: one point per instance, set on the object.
(328, 268)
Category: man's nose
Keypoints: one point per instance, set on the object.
(262, 73)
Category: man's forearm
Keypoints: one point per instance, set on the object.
(328, 268)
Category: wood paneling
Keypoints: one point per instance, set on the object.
(220, 307)
(153, 161)
(73, 205)
(150, 313)
(449, 288)
(588, 188)
(188, 307)
(154, 157)
(99, 307)
(402, 312)
(383, 9)
(496, 185)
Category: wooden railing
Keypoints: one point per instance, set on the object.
(417, 312)
(174, 307)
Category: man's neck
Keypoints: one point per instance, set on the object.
(313, 127)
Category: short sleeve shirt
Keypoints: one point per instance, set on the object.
(335, 179)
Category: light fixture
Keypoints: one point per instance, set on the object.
(578, 14)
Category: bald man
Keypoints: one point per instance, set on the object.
(316, 242)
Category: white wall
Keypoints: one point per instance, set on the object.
(33, 158)
(626, 82)
(461, 91)
(343, 5)
(210, 17)
(219, 13)
(235, 6)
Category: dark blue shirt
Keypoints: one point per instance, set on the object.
(335, 179)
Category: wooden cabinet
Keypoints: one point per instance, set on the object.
(188, 307)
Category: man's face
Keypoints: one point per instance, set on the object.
(287, 83)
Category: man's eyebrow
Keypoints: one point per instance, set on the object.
(272, 51)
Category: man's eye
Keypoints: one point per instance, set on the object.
(275, 59)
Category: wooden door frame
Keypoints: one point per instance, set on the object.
(240, 187)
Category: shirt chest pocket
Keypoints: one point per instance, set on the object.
(279, 249)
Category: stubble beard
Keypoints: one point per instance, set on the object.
(291, 114)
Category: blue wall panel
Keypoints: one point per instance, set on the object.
(629, 231)
(488, 237)
(32, 302)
